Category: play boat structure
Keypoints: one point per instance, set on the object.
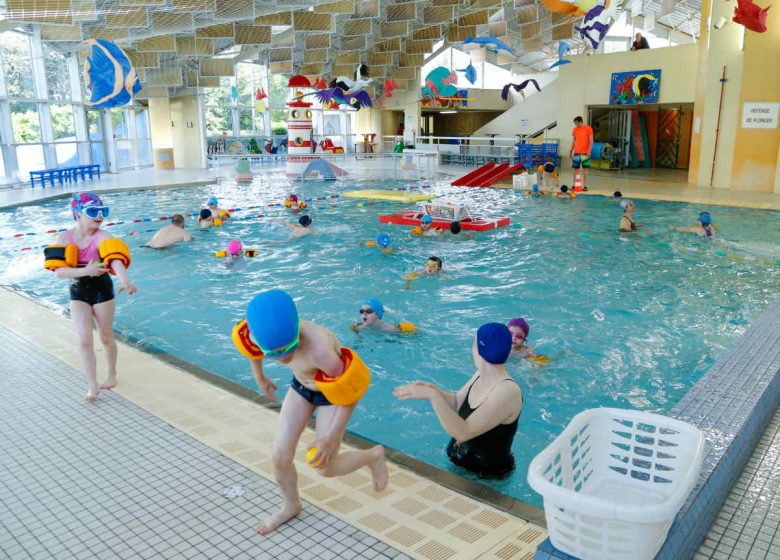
(444, 213)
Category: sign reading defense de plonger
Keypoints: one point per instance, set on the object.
(760, 115)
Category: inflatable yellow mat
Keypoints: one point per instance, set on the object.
(395, 196)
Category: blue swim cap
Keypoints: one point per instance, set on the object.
(376, 305)
(205, 214)
(272, 319)
(535, 188)
(213, 201)
(494, 342)
(383, 240)
(705, 218)
(426, 219)
(564, 188)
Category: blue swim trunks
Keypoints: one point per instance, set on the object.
(314, 397)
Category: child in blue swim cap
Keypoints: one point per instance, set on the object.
(705, 227)
(272, 330)
(371, 313)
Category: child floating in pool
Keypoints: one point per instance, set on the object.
(482, 416)
(705, 227)
(536, 191)
(382, 241)
(627, 222)
(216, 211)
(371, 313)
(520, 329)
(456, 228)
(564, 193)
(433, 267)
(272, 330)
(83, 255)
(205, 218)
(426, 227)
(298, 230)
(617, 196)
(548, 175)
(170, 234)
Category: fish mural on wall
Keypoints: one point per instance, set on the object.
(109, 76)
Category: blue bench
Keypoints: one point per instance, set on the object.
(65, 174)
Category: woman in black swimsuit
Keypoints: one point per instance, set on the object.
(482, 416)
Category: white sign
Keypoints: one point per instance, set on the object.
(760, 115)
(697, 125)
(524, 123)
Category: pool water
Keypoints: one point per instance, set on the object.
(629, 320)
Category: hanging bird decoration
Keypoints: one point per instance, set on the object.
(595, 26)
(753, 17)
(471, 73)
(260, 97)
(361, 80)
(320, 83)
(563, 48)
(355, 99)
(519, 87)
(390, 87)
(109, 75)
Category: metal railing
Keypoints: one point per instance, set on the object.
(372, 166)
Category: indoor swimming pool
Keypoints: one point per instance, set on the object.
(628, 320)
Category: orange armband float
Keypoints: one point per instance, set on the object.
(350, 386)
(244, 342)
(60, 256)
(114, 250)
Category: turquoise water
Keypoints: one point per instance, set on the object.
(629, 320)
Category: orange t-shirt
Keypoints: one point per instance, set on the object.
(582, 135)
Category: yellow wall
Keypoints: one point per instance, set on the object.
(390, 121)
(586, 81)
(188, 148)
(755, 150)
(160, 122)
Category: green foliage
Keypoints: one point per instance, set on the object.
(279, 131)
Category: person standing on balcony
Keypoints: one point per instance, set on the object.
(640, 43)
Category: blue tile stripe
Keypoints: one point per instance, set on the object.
(732, 404)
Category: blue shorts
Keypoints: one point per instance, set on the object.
(314, 397)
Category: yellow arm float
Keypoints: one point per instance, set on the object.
(217, 222)
(114, 249)
(417, 230)
(220, 254)
(224, 214)
(60, 256)
(244, 343)
(350, 386)
(370, 243)
(407, 327)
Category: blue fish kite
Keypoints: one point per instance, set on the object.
(595, 26)
(109, 75)
(471, 73)
(491, 42)
(563, 48)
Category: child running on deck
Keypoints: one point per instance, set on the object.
(327, 378)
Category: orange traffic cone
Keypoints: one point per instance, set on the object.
(578, 187)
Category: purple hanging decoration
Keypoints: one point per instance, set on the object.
(599, 27)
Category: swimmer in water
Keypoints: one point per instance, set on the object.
(170, 234)
(426, 227)
(564, 193)
(433, 267)
(382, 241)
(617, 196)
(371, 313)
(205, 218)
(273, 331)
(482, 416)
(520, 329)
(300, 229)
(705, 227)
(627, 223)
(456, 228)
(216, 211)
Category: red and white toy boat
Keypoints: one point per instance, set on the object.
(443, 214)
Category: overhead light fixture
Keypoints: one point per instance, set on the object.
(447, 112)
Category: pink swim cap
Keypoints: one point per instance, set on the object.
(234, 247)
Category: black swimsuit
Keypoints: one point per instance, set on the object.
(92, 289)
(488, 455)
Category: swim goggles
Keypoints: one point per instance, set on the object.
(285, 350)
(366, 311)
(93, 212)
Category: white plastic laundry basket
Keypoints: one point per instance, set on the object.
(523, 180)
(613, 481)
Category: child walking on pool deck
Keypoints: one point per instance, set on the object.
(327, 378)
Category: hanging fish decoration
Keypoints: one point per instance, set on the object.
(109, 75)
(563, 48)
(471, 73)
(750, 15)
(260, 97)
(390, 86)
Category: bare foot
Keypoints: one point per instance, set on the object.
(109, 383)
(92, 394)
(379, 469)
(289, 511)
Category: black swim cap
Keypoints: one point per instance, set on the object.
(305, 220)
(205, 214)
(455, 227)
(564, 188)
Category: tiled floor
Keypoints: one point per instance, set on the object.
(113, 481)
(747, 526)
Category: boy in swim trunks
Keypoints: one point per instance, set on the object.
(300, 230)
(216, 211)
(275, 332)
(170, 234)
(371, 313)
(426, 227)
(581, 146)
(433, 267)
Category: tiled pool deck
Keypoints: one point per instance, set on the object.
(148, 463)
